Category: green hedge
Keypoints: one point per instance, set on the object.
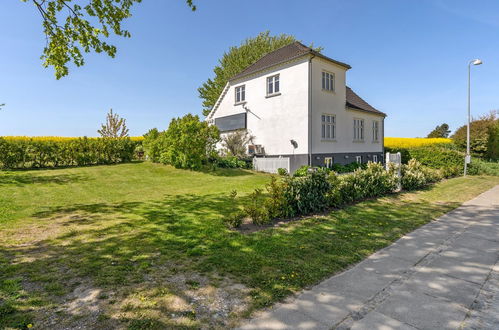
(447, 159)
(33, 153)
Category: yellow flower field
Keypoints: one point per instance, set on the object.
(393, 142)
(57, 138)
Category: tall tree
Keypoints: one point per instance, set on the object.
(237, 59)
(73, 28)
(441, 131)
(480, 130)
(115, 126)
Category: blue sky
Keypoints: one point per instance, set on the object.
(409, 59)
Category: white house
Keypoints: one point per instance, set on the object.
(296, 104)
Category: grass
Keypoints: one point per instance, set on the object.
(146, 244)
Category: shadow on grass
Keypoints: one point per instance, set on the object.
(120, 245)
(227, 172)
(20, 179)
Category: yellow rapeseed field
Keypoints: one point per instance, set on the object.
(56, 138)
(393, 142)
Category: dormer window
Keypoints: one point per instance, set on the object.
(327, 81)
(240, 94)
(273, 85)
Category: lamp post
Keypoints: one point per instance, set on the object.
(467, 158)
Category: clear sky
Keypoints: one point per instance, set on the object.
(409, 59)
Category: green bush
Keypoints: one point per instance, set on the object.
(416, 176)
(34, 153)
(374, 181)
(235, 218)
(256, 208)
(231, 162)
(302, 171)
(348, 168)
(282, 171)
(294, 196)
(446, 158)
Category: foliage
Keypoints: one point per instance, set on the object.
(42, 153)
(232, 162)
(187, 143)
(235, 143)
(493, 143)
(480, 130)
(405, 143)
(374, 181)
(416, 176)
(115, 126)
(256, 209)
(153, 144)
(71, 29)
(339, 168)
(481, 167)
(282, 171)
(236, 60)
(441, 131)
(302, 171)
(235, 218)
(294, 196)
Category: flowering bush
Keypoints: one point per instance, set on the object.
(415, 175)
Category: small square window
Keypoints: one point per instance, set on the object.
(375, 158)
(328, 162)
(358, 159)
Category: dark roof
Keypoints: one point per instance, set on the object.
(356, 102)
(281, 55)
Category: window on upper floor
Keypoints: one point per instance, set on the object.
(375, 131)
(327, 81)
(273, 85)
(240, 94)
(328, 127)
(358, 129)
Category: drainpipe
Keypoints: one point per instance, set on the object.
(310, 110)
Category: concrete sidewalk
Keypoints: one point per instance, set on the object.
(444, 275)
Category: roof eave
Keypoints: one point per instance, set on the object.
(377, 112)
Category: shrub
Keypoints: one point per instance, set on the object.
(293, 196)
(231, 162)
(302, 171)
(282, 171)
(374, 181)
(415, 175)
(235, 218)
(19, 153)
(188, 142)
(480, 130)
(256, 208)
(338, 168)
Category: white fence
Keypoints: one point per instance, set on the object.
(271, 164)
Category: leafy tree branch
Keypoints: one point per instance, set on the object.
(69, 32)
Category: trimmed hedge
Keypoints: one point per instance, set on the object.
(43, 153)
(445, 158)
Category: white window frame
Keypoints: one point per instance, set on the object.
(375, 131)
(358, 159)
(328, 125)
(240, 91)
(375, 158)
(358, 129)
(273, 81)
(328, 81)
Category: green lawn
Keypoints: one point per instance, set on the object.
(143, 245)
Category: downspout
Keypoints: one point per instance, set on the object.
(310, 110)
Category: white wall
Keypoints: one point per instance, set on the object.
(326, 102)
(274, 121)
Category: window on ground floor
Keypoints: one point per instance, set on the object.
(358, 159)
(328, 127)
(375, 158)
(328, 162)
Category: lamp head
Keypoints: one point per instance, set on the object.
(476, 62)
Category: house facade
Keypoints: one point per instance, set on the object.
(295, 103)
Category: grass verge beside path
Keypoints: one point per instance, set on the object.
(143, 246)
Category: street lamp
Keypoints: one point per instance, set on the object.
(467, 158)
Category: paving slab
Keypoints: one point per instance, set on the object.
(423, 311)
(378, 321)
